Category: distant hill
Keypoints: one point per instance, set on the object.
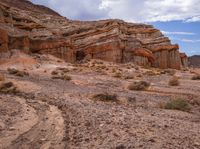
(194, 61)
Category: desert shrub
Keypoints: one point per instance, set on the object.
(139, 85)
(66, 77)
(22, 74)
(114, 70)
(106, 97)
(129, 76)
(54, 72)
(65, 70)
(16, 72)
(139, 75)
(62, 77)
(174, 81)
(117, 75)
(178, 104)
(12, 70)
(196, 77)
(8, 87)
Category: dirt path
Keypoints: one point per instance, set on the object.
(38, 125)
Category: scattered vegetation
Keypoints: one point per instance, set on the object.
(139, 85)
(196, 77)
(106, 97)
(60, 73)
(178, 104)
(174, 81)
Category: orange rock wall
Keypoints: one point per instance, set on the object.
(3, 41)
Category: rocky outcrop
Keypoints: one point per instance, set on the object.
(184, 59)
(35, 30)
(57, 47)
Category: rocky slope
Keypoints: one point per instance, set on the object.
(194, 61)
(38, 29)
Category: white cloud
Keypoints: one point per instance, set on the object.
(177, 33)
(188, 40)
(76, 9)
(152, 10)
(128, 10)
(193, 19)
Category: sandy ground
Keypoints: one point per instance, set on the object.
(52, 113)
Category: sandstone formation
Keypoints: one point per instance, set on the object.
(38, 29)
(184, 60)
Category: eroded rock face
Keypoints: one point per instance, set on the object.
(184, 60)
(34, 30)
(3, 40)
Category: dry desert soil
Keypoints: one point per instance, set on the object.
(54, 107)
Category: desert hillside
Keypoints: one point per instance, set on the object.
(194, 61)
(92, 85)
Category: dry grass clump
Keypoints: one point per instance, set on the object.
(139, 85)
(174, 81)
(106, 97)
(16, 72)
(178, 104)
(196, 77)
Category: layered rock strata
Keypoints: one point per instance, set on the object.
(110, 40)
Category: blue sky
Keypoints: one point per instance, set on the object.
(177, 19)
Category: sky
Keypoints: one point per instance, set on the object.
(177, 19)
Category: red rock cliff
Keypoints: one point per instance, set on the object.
(36, 30)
